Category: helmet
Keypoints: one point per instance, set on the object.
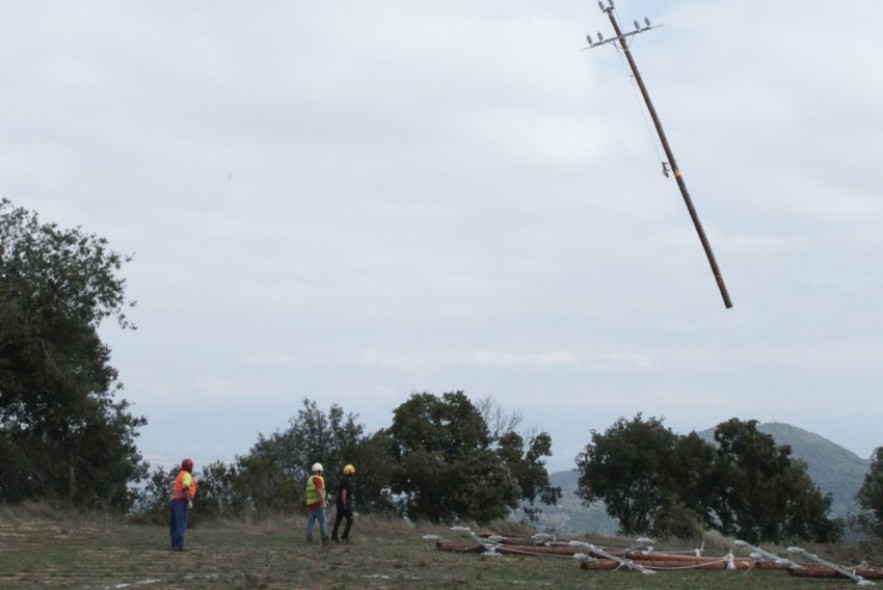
(187, 465)
(349, 470)
(317, 467)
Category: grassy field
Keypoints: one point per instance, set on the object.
(43, 549)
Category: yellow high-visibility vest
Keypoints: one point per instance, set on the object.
(313, 495)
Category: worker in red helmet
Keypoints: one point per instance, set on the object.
(183, 492)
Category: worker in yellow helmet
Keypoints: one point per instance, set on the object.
(344, 505)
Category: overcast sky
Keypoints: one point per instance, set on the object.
(355, 201)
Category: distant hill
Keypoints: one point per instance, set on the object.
(833, 468)
(570, 516)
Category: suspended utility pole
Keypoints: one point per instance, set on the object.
(622, 39)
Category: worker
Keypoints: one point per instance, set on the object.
(183, 492)
(344, 505)
(315, 501)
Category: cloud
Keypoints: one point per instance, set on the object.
(268, 359)
(625, 361)
(475, 359)
(341, 199)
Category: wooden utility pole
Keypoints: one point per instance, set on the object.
(622, 39)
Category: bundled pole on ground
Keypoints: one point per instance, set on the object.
(837, 568)
(754, 550)
(593, 550)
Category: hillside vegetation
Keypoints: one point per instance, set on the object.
(833, 469)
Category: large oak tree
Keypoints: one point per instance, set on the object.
(64, 432)
(449, 464)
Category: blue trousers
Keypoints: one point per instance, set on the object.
(313, 515)
(178, 523)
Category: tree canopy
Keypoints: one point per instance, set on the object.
(763, 493)
(449, 464)
(870, 495)
(629, 468)
(655, 481)
(270, 477)
(438, 460)
(65, 435)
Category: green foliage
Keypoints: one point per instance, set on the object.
(870, 496)
(525, 462)
(64, 435)
(269, 479)
(439, 456)
(431, 441)
(654, 481)
(313, 436)
(217, 493)
(833, 468)
(450, 464)
(693, 477)
(334, 439)
(762, 493)
(629, 468)
(152, 501)
(264, 481)
(450, 425)
(374, 467)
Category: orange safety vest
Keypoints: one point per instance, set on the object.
(182, 481)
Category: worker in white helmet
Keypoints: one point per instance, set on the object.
(315, 501)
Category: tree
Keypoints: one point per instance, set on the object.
(429, 440)
(219, 491)
(523, 454)
(524, 459)
(629, 467)
(265, 481)
(655, 481)
(374, 467)
(64, 435)
(450, 426)
(870, 496)
(450, 464)
(692, 474)
(762, 493)
(271, 476)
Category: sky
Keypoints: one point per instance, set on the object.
(352, 202)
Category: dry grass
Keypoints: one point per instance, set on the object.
(41, 547)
